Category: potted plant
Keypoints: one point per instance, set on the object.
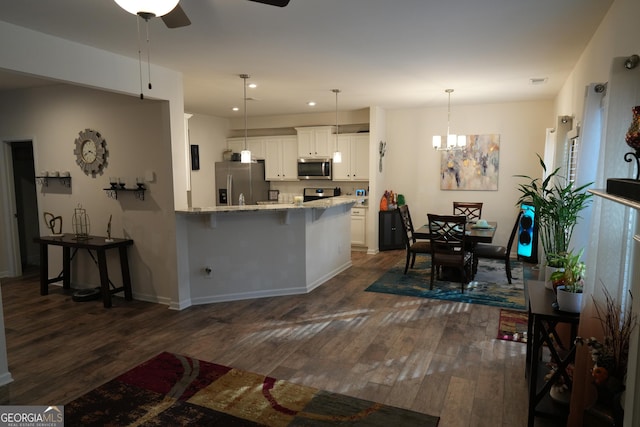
(611, 356)
(569, 282)
(557, 204)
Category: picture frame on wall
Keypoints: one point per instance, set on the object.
(195, 157)
(474, 167)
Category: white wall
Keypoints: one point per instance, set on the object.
(60, 60)
(137, 142)
(210, 134)
(616, 38)
(413, 167)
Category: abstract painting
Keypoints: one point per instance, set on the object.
(475, 167)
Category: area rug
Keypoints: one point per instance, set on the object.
(490, 285)
(176, 390)
(513, 325)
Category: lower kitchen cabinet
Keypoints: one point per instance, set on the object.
(390, 232)
(358, 226)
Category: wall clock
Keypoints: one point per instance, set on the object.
(91, 152)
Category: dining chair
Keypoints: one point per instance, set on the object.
(413, 245)
(489, 251)
(448, 246)
(472, 210)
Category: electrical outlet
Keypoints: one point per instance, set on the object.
(208, 272)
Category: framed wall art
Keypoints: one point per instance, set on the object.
(475, 167)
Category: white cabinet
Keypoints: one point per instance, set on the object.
(236, 145)
(255, 144)
(281, 158)
(359, 226)
(355, 158)
(316, 141)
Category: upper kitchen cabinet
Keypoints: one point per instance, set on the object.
(317, 141)
(355, 158)
(281, 158)
(255, 144)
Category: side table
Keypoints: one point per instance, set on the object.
(543, 320)
(97, 243)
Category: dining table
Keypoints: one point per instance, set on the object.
(474, 234)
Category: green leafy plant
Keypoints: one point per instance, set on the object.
(572, 272)
(557, 204)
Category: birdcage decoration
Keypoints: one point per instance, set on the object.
(81, 223)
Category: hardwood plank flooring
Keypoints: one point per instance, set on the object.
(430, 356)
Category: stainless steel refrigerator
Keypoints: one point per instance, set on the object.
(235, 178)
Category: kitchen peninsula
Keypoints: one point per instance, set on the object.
(252, 251)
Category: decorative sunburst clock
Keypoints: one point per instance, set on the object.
(91, 152)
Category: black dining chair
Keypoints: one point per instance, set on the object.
(489, 251)
(472, 210)
(448, 247)
(413, 245)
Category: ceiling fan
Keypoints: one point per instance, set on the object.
(170, 11)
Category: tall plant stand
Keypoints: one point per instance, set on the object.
(542, 332)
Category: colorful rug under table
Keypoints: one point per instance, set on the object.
(176, 390)
(513, 325)
(489, 287)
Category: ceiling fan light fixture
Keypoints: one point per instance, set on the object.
(155, 7)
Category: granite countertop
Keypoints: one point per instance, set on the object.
(322, 203)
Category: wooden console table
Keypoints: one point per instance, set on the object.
(543, 320)
(100, 246)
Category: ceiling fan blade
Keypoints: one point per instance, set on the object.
(279, 3)
(176, 18)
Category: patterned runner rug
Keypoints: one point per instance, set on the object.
(490, 285)
(175, 390)
(513, 325)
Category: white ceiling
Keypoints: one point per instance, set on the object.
(389, 53)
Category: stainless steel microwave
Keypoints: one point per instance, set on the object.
(314, 168)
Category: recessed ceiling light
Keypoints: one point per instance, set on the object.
(311, 103)
(252, 85)
(236, 109)
(538, 80)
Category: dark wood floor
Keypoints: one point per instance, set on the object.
(430, 356)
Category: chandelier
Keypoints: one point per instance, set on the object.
(453, 141)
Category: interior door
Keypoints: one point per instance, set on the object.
(26, 204)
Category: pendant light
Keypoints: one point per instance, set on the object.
(245, 155)
(337, 155)
(454, 142)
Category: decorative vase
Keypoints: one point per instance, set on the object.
(570, 302)
(633, 134)
(559, 394)
(611, 396)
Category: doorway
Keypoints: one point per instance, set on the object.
(26, 205)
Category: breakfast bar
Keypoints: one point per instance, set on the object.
(241, 252)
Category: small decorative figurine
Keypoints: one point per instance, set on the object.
(50, 220)
(382, 150)
(109, 239)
